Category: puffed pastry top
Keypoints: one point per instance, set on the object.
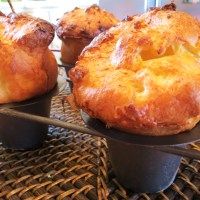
(27, 67)
(143, 76)
(84, 23)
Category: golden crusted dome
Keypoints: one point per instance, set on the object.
(27, 66)
(143, 76)
(85, 23)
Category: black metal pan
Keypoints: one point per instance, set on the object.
(137, 166)
(21, 134)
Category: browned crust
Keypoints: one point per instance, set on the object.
(171, 6)
(2, 14)
(143, 76)
(27, 67)
(88, 23)
(26, 30)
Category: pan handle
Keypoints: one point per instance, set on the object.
(194, 154)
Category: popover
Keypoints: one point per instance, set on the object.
(78, 27)
(27, 67)
(143, 75)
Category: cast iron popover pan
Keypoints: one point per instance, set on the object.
(20, 134)
(138, 167)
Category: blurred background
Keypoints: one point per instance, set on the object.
(52, 10)
(122, 8)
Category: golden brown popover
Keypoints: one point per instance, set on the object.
(77, 28)
(27, 67)
(143, 76)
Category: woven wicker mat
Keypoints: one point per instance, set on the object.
(72, 165)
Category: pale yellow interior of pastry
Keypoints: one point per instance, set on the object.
(164, 70)
(170, 51)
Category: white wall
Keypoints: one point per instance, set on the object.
(46, 9)
(193, 9)
(122, 8)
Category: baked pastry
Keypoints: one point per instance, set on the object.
(77, 28)
(143, 76)
(27, 67)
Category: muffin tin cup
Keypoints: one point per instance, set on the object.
(137, 164)
(66, 66)
(20, 134)
(142, 169)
